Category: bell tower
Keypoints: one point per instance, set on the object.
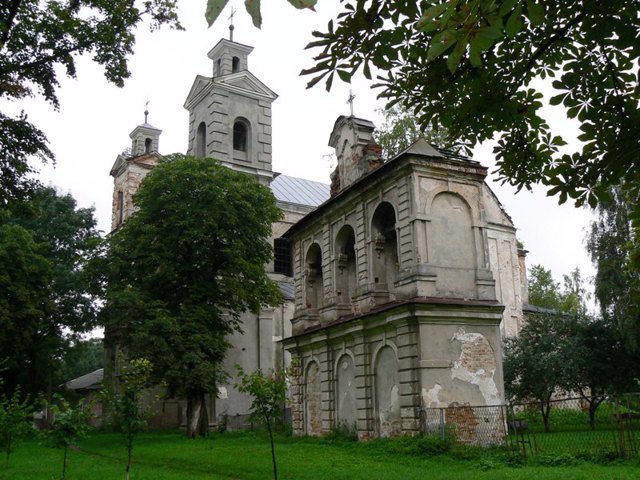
(230, 113)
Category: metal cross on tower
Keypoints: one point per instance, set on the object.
(146, 110)
(350, 101)
(231, 27)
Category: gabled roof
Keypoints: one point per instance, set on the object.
(299, 190)
(90, 381)
(421, 147)
(244, 83)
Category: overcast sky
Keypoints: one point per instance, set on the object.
(95, 118)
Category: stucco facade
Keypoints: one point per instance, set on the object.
(396, 289)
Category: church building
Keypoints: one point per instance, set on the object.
(399, 279)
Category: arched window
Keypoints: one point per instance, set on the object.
(147, 145)
(385, 247)
(235, 64)
(346, 279)
(218, 68)
(240, 134)
(201, 140)
(314, 288)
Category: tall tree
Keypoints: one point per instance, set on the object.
(611, 242)
(401, 129)
(470, 66)
(40, 39)
(46, 244)
(544, 291)
(184, 268)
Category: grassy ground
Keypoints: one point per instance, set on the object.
(246, 456)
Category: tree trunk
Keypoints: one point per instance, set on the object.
(197, 416)
(273, 450)
(545, 409)
(64, 463)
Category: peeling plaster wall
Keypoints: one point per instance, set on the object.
(312, 400)
(347, 411)
(460, 365)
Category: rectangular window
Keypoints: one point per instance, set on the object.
(282, 257)
(120, 208)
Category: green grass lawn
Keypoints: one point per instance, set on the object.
(243, 456)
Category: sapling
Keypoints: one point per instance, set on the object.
(268, 392)
(15, 421)
(70, 423)
(123, 403)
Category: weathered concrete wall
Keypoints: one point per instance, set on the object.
(405, 358)
(449, 234)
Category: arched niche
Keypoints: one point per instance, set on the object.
(385, 247)
(387, 393)
(345, 264)
(452, 245)
(347, 412)
(313, 291)
(235, 64)
(201, 140)
(312, 400)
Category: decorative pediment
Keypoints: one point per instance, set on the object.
(118, 165)
(147, 161)
(244, 83)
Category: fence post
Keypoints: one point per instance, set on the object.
(442, 424)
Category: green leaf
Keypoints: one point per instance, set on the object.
(253, 8)
(344, 76)
(439, 44)
(304, 4)
(214, 7)
(535, 12)
(454, 57)
(557, 99)
(427, 22)
(514, 24)
(474, 54)
(506, 7)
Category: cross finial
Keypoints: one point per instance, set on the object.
(146, 110)
(350, 101)
(231, 27)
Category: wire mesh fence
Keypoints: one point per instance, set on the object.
(481, 426)
(574, 426)
(608, 427)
